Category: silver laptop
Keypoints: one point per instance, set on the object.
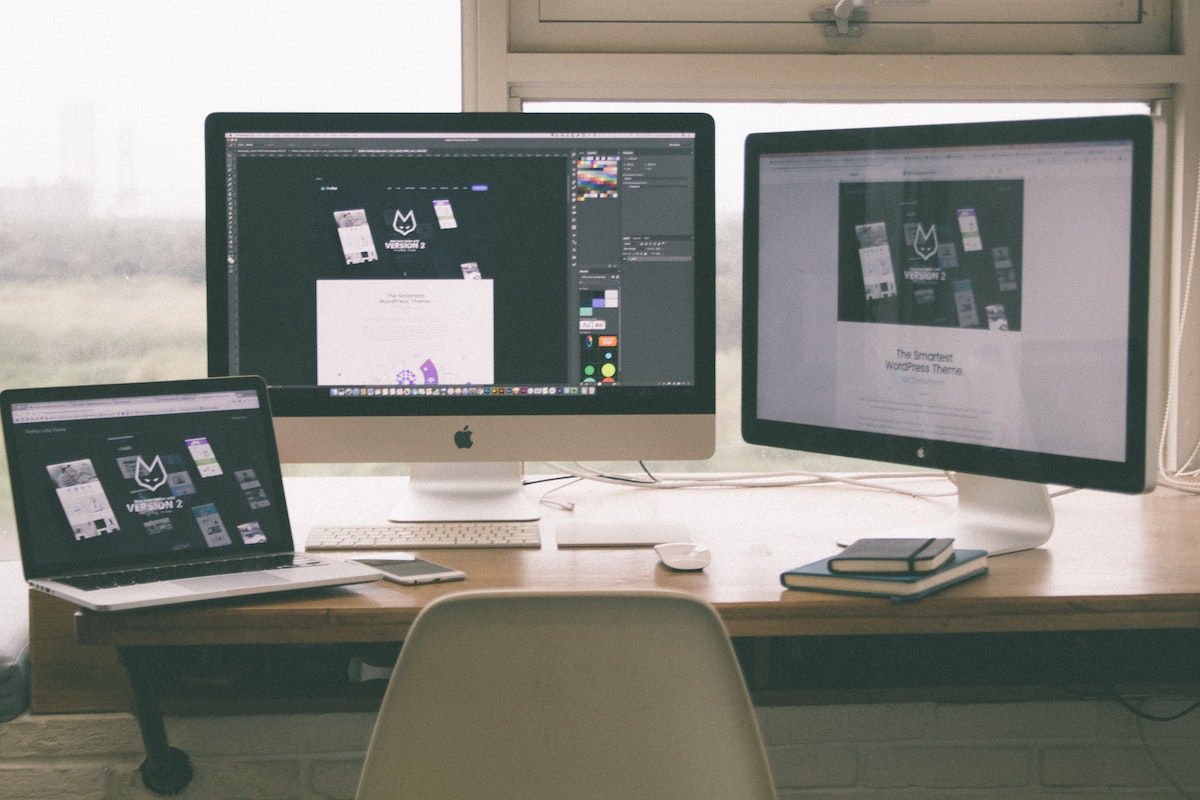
(136, 495)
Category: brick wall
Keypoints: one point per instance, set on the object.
(1033, 751)
(96, 756)
(1093, 749)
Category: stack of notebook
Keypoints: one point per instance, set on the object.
(899, 568)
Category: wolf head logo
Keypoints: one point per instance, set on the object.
(150, 476)
(405, 222)
(926, 242)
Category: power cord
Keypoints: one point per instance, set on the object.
(1157, 762)
(1144, 717)
(1186, 477)
(575, 472)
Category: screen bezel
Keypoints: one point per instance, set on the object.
(697, 399)
(1133, 474)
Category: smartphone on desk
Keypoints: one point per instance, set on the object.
(412, 570)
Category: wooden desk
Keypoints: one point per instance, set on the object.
(1114, 563)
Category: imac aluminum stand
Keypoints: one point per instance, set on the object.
(465, 492)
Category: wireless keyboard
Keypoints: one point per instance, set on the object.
(421, 535)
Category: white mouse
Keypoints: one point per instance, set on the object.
(683, 555)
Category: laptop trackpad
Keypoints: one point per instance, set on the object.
(216, 583)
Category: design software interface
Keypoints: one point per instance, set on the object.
(461, 264)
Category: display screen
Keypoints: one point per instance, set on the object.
(111, 476)
(969, 297)
(482, 263)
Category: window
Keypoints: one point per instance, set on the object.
(101, 160)
(525, 51)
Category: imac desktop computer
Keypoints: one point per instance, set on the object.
(467, 292)
(971, 297)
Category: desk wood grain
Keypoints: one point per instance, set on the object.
(1114, 562)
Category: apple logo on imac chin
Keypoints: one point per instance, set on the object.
(462, 439)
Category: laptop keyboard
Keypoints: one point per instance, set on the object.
(174, 572)
(418, 535)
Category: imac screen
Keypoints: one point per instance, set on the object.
(480, 288)
(969, 297)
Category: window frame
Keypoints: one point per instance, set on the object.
(971, 26)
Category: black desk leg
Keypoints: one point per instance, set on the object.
(166, 769)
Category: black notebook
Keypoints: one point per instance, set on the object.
(893, 555)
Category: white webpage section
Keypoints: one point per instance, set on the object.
(87, 509)
(1056, 386)
(405, 332)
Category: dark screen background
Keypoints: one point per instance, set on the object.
(999, 209)
(284, 247)
(238, 445)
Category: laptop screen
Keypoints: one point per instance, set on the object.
(106, 477)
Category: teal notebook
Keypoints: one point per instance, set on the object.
(816, 577)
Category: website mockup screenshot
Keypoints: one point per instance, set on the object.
(945, 293)
(450, 263)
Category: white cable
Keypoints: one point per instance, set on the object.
(756, 480)
(1187, 476)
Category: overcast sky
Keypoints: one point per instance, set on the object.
(142, 74)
